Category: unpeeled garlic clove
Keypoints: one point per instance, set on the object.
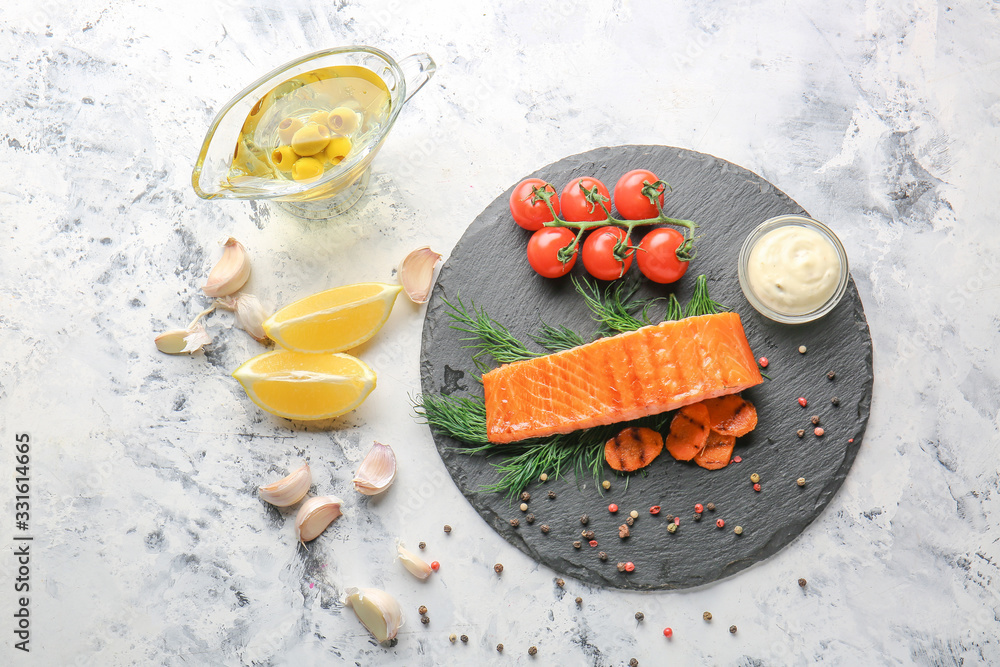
(416, 273)
(377, 610)
(183, 341)
(289, 489)
(250, 314)
(315, 515)
(231, 272)
(377, 471)
(413, 563)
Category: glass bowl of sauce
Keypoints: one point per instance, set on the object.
(793, 269)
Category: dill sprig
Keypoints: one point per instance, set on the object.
(557, 339)
(701, 303)
(612, 308)
(675, 310)
(490, 337)
(460, 417)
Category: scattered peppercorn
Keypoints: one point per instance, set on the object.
(802, 349)
(763, 362)
(814, 419)
(732, 629)
(584, 519)
(801, 481)
(801, 432)
(670, 517)
(668, 632)
(754, 478)
(633, 663)
(422, 610)
(756, 487)
(560, 583)
(499, 648)
(818, 431)
(737, 459)
(545, 528)
(514, 523)
(802, 401)
(699, 508)
(831, 375)
(498, 568)
(530, 519)
(654, 510)
(552, 495)
(577, 544)
(710, 507)
(612, 508)
(422, 545)
(543, 477)
(453, 638)
(677, 520)
(447, 528)
(672, 528)
(696, 517)
(634, 514)
(738, 530)
(525, 496)
(606, 485)
(532, 650)
(465, 639)
(629, 520)
(587, 534)
(719, 523)
(623, 531)
(435, 565)
(621, 566)
(707, 616)
(425, 620)
(639, 616)
(592, 543)
(629, 566)
(602, 555)
(524, 507)
(835, 401)
(802, 583)
(393, 642)
(579, 601)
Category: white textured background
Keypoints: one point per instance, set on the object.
(151, 546)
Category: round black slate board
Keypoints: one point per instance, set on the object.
(488, 267)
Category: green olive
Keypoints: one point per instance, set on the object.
(311, 139)
(307, 169)
(338, 149)
(343, 120)
(287, 129)
(319, 117)
(283, 158)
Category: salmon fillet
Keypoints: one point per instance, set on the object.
(635, 374)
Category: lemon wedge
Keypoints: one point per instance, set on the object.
(298, 385)
(335, 320)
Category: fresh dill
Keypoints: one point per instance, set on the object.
(701, 303)
(489, 337)
(612, 307)
(557, 338)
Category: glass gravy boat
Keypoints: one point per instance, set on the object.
(242, 158)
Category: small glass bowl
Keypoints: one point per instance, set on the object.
(786, 221)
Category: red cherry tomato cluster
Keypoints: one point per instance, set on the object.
(662, 255)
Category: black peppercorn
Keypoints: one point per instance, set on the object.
(707, 616)
(633, 663)
(831, 375)
(498, 568)
(499, 648)
(552, 495)
(639, 616)
(621, 567)
(447, 528)
(560, 583)
(579, 601)
(577, 544)
(697, 517)
(530, 519)
(515, 523)
(532, 650)
(587, 534)
(835, 401)
(814, 419)
(545, 528)
(629, 520)
(422, 545)
(801, 432)
(710, 507)
(525, 497)
(422, 610)
(425, 620)
(584, 519)
(602, 555)
(732, 629)
(465, 639)
(802, 583)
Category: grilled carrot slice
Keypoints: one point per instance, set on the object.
(633, 448)
(718, 451)
(688, 432)
(731, 415)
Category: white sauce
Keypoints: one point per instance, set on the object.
(793, 270)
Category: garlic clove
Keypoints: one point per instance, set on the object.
(416, 273)
(377, 610)
(413, 563)
(315, 515)
(289, 489)
(231, 272)
(250, 314)
(183, 341)
(377, 470)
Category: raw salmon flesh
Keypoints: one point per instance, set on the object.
(635, 374)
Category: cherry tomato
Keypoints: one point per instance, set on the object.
(631, 203)
(657, 255)
(543, 251)
(575, 206)
(599, 253)
(532, 215)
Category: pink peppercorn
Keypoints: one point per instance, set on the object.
(667, 632)
(763, 362)
(592, 543)
(699, 508)
(803, 402)
(612, 508)
(435, 565)
(819, 431)
(737, 459)
(655, 509)
(677, 521)
(719, 523)
(756, 487)
(629, 566)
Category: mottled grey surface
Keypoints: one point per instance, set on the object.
(151, 546)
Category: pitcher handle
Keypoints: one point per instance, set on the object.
(417, 70)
